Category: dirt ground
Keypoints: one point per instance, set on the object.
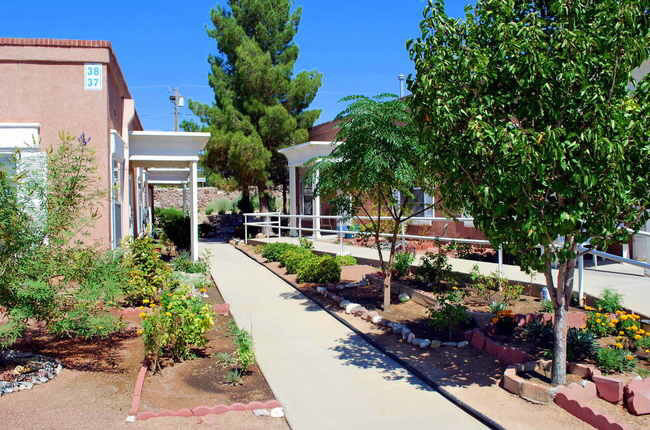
(95, 388)
(466, 373)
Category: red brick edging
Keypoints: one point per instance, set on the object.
(201, 411)
(570, 399)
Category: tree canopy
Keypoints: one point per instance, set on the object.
(260, 105)
(533, 128)
(372, 171)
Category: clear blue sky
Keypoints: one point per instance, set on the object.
(359, 45)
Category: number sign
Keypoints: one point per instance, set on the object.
(92, 77)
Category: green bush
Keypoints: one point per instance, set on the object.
(402, 264)
(220, 206)
(540, 333)
(273, 251)
(610, 301)
(184, 263)
(449, 313)
(175, 224)
(293, 259)
(610, 360)
(487, 288)
(581, 344)
(346, 260)
(149, 275)
(244, 353)
(434, 268)
(547, 306)
(83, 322)
(175, 327)
(321, 270)
(305, 243)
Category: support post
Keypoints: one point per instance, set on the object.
(340, 236)
(300, 227)
(293, 198)
(246, 229)
(581, 280)
(500, 260)
(316, 207)
(194, 213)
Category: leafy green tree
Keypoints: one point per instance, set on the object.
(260, 105)
(372, 172)
(532, 127)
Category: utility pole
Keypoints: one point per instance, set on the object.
(178, 101)
(401, 78)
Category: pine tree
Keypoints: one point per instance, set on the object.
(260, 106)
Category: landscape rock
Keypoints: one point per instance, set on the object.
(462, 344)
(404, 297)
(424, 343)
(410, 338)
(261, 412)
(376, 319)
(344, 303)
(452, 344)
(435, 344)
(351, 307)
(277, 412)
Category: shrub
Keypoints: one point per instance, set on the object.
(449, 313)
(273, 251)
(511, 292)
(175, 224)
(175, 327)
(434, 268)
(305, 243)
(402, 264)
(504, 323)
(610, 301)
(83, 322)
(346, 260)
(547, 306)
(183, 263)
(487, 288)
(244, 353)
(540, 333)
(496, 307)
(220, 206)
(613, 360)
(293, 259)
(320, 270)
(149, 275)
(581, 344)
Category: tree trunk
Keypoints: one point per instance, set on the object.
(562, 301)
(264, 208)
(387, 281)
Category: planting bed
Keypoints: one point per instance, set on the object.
(470, 375)
(95, 387)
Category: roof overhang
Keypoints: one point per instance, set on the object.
(165, 149)
(169, 176)
(299, 155)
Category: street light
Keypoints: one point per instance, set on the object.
(178, 101)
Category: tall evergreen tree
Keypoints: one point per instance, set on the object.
(260, 106)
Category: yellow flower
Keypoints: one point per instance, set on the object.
(621, 333)
(140, 331)
(153, 305)
(168, 314)
(612, 325)
(623, 317)
(598, 320)
(614, 321)
(629, 357)
(589, 308)
(641, 331)
(637, 336)
(619, 345)
(647, 350)
(145, 301)
(142, 315)
(454, 288)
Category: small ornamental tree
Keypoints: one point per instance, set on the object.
(534, 127)
(373, 169)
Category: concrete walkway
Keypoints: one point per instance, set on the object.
(623, 278)
(325, 375)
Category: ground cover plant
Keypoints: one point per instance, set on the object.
(184, 263)
(525, 107)
(449, 315)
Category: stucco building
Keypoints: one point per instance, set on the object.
(76, 86)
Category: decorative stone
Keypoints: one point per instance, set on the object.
(424, 343)
(344, 303)
(405, 332)
(462, 344)
(261, 412)
(376, 319)
(350, 307)
(321, 290)
(609, 389)
(452, 344)
(404, 297)
(277, 412)
(410, 338)
(396, 327)
(435, 344)
(637, 396)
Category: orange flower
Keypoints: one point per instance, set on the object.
(630, 357)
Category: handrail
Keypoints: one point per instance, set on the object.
(614, 257)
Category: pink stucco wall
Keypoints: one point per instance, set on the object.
(44, 84)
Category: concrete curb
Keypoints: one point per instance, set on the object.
(484, 419)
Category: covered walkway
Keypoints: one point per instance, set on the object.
(324, 374)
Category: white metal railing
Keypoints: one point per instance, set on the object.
(272, 223)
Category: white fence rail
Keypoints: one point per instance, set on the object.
(273, 220)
